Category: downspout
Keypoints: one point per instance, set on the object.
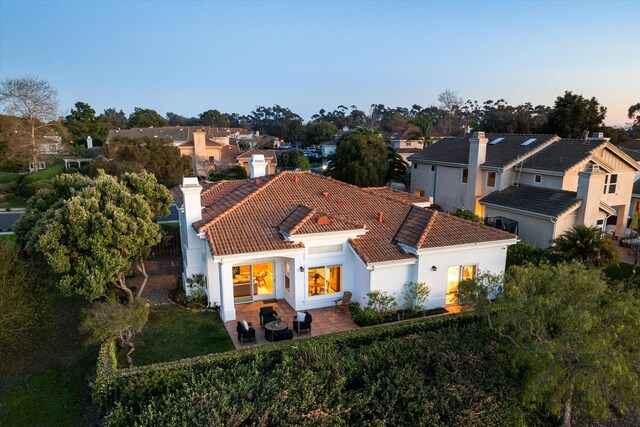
(435, 181)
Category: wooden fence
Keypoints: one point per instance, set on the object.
(169, 246)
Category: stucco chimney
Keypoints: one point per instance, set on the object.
(258, 165)
(89, 142)
(477, 156)
(200, 144)
(191, 190)
(590, 185)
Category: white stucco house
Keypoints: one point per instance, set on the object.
(540, 184)
(306, 239)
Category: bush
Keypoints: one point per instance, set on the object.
(367, 317)
(198, 298)
(32, 189)
(44, 174)
(523, 253)
(230, 173)
(415, 296)
(382, 303)
(466, 214)
(361, 377)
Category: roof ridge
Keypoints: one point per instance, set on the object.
(427, 228)
(243, 201)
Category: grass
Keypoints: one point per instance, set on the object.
(174, 332)
(44, 174)
(7, 177)
(47, 384)
(621, 271)
(15, 203)
(8, 236)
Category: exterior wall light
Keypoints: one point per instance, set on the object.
(301, 269)
(434, 268)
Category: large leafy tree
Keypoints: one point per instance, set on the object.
(293, 159)
(587, 245)
(397, 167)
(572, 115)
(214, 118)
(154, 155)
(424, 123)
(35, 101)
(317, 132)
(82, 122)
(576, 337)
(113, 119)
(92, 232)
(144, 118)
(361, 158)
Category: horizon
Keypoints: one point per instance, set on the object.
(190, 57)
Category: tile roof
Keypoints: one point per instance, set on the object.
(249, 217)
(397, 195)
(176, 133)
(508, 151)
(549, 202)
(563, 155)
(246, 155)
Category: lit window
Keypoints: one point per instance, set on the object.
(491, 179)
(287, 275)
(324, 280)
(419, 193)
(465, 175)
(537, 179)
(610, 183)
(455, 275)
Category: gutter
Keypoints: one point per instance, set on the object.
(552, 218)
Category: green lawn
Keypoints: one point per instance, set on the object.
(7, 237)
(47, 384)
(15, 203)
(174, 333)
(7, 177)
(619, 272)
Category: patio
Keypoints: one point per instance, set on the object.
(325, 320)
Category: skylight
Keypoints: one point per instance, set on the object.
(529, 141)
(495, 141)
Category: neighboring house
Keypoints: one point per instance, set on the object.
(244, 159)
(327, 148)
(632, 149)
(541, 183)
(308, 239)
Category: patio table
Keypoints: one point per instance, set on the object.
(271, 327)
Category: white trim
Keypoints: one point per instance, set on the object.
(533, 214)
(347, 234)
(453, 248)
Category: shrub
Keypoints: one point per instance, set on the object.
(197, 299)
(32, 189)
(368, 317)
(523, 253)
(44, 174)
(382, 303)
(415, 296)
(466, 214)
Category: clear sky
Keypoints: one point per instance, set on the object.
(189, 56)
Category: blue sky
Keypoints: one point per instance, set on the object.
(186, 57)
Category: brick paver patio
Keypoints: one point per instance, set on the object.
(325, 320)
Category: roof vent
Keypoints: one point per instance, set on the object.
(323, 220)
(325, 194)
(296, 180)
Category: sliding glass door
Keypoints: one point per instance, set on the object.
(253, 282)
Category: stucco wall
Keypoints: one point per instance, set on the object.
(532, 230)
(392, 279)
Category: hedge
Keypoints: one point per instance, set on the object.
(296, 382)
(44, 174)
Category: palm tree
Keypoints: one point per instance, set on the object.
(587, 245)
(424, 123)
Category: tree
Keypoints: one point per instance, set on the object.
(113, 119)
(397, 167)
(178, 120)
(293, 160)
(144, 118)
(214, 118)
(423, 123)
(20, 303)
(33, 100)
(231, 173)
(82, 122)
(450, 100)
(575, 336)
(92, 232)
(463, 213)
(154, 155)
(587, 245)
(317, 132)
(361, 158)
(634, 114)
(111, 320)
(573, 114)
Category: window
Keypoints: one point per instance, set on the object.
(212, 158)
(419, 193)
(455, 275)
(287, 275)
(610, 183)
(324, 280)
(495, 141)
(465, 175)
(491, 179)
(415, 166)
(250, 281)
(529, 141)
(537, 179)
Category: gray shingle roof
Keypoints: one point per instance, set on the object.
(550, 202)
(562, 155)
(505, 152)
(636, 187)
(634, 154)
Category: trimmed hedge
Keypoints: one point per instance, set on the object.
(44, 174)
(442, 371)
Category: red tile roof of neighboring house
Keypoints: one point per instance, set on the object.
(246, 155)
(249, 217)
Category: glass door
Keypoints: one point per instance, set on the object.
(252, 282)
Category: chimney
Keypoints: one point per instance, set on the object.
(585, 135)
(200, 144)
(258, 165)
(191, 190)
(475, 182)
(590, 185)
(89, 142)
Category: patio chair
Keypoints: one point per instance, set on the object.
(344, 301)
(246, 333)
(267, 314)
(285, 334)
(304, 326)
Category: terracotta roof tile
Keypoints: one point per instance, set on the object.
(249, 218)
